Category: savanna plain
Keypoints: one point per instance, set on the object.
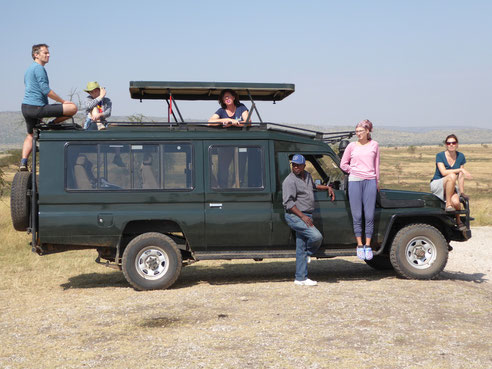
(65, 311)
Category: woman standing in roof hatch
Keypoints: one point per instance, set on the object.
(231, 112)
(361, 161)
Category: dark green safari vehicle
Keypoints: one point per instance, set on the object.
(152, 197)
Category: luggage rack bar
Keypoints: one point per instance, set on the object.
(328, 137)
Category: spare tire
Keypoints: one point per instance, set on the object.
(20, 200)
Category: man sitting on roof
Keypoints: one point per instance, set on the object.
(231, 113)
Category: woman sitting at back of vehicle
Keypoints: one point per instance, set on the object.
(231, 113)
(448, 182)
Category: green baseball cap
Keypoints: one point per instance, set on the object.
(92, 86)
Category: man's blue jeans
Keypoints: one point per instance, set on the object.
(90, 125)
(308, 240)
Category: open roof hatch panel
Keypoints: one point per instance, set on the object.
(161, 90)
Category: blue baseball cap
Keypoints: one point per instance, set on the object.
(298, 159)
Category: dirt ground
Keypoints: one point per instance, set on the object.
(246, 314)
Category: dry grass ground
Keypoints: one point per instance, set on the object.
(65, 311)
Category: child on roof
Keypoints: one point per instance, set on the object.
(97, 106)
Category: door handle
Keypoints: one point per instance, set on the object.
(215, 205)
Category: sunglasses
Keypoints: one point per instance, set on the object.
(451, 143)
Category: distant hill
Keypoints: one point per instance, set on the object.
(419, 136)
(13, 132)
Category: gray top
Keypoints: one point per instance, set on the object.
(105, 103)
(299, 192)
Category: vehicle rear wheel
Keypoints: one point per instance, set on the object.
(20, 204)
(151, 261)
(380, 262)
(419, 251)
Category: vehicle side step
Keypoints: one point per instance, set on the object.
(270, 254)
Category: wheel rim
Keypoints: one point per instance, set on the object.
(420, 252)
(152, 263)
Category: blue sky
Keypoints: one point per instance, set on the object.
(398, 63)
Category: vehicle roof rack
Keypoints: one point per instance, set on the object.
(328, 137)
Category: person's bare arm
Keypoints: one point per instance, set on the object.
(226, 122)
(53, 96)
(445, 172)
(466, 173)
(331, 193)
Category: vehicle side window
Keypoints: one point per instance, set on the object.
(146, 166)
(236, 167)
(110, 167)
(114, 167)
(327, 165)
(82, 167)
(178, 168)
(322, 168)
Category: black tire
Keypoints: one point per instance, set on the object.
(419, 251)
(151, 261)
(380, 262)
(20, 201)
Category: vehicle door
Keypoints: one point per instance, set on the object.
(238, 199)
(332, 218)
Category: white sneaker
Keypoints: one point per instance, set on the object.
(306, 282)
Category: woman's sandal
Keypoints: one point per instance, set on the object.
(450, 209)
(462, 227)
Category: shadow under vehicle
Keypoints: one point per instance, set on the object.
(152, 197)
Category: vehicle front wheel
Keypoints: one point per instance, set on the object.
(151, 261)
(419, 251)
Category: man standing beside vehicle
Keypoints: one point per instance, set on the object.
(35, 104)
(298, 200)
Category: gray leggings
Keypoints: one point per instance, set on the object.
(362, 194)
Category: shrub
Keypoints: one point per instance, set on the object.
(12, 158)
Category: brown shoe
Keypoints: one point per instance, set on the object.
(462, 227)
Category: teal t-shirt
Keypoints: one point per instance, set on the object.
(37, 85)
(441, 158)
